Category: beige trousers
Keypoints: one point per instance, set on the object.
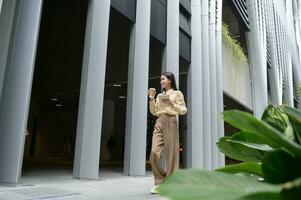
(165, 136)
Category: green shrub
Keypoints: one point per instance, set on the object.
(237, 52)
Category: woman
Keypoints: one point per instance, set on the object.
(166, 107)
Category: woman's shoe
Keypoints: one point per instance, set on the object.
(154, 189)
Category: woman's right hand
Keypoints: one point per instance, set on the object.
(151, 92)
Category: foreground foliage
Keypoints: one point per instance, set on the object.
(270, 153)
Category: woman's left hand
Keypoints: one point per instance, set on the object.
(168, 101)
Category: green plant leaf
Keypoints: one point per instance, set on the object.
(245, 167)
(264, 196)
(292, 190)
(252, 138)
(276, 117)
(280, 167)
(239, 151)
(261, 147)
(254, 141)
(248, 123)
(204, 185)
(295, 119)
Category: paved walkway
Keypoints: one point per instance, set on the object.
(56, 185)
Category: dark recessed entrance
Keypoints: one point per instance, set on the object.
(54, 102)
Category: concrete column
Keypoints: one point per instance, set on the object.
(297, 46)
(288, 84)
(16, 94)
(170, 60)
(88, 136)
(219, 78)
(283, 60)
(206, 84)
(289, 32)
(213, 85)
(263, 34)
(6, 24)
(257, 61)
(137, 104)
(170, 57)
(273, 73)
(195, 102)
(1, 6)
(290, 91)
(279, 52)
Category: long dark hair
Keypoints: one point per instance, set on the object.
(170, 76)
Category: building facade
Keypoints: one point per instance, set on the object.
(74, 77)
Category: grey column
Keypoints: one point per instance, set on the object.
(206, 85)
(279, 53)
(195, 102)
(257, 61)
(88, 136)
(290, 38)
(288, 84)
(16, 94)
(6, 24)
(1, 6)
(171, 50)
(219, 77)
(273, 73)
(136, 116)
(297, 46)
(170, 57)
(213, 85)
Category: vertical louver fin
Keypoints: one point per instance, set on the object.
(239, 8)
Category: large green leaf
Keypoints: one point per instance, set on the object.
(253, 141)
(264, 196)
(276, 117)
(204, 185)
(292, 190)
(280, 167)
(245, 167)
(239, 151)
(253, 138)
(295, 119)
(261, 147)
(248, 123)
